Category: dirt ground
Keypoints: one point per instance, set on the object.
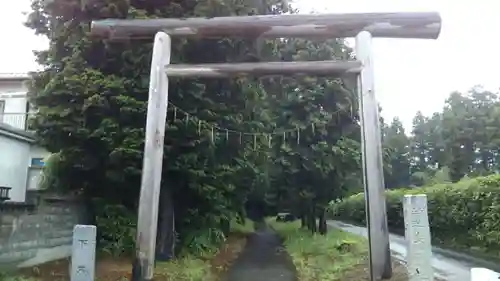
(360, 273)
(106, 269)
(227, 254)
(119, 269)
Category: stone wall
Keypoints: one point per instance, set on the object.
(32, 234)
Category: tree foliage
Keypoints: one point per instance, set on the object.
(461, 140)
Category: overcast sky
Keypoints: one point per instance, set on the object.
(410, 75)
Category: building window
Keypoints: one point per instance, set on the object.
(37, 162)
(2, 109)
(26, 115)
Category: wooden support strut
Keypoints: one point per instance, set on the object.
(221, 70)
(424, 25)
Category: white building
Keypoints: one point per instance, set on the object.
(20, 158)
(14, 105)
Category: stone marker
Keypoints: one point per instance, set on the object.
(418, 238)
(83, 253)
(483, 274)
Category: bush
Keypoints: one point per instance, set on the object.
(116, 229)
(464, 215)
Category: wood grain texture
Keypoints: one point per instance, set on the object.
(219, 70)
(425, 25)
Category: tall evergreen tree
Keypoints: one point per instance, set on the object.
(399, 146)
(322, 151)
(91, 100)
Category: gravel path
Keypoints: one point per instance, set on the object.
(264, 259)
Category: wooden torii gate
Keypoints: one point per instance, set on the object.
(362, 26)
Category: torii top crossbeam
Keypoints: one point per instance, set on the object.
(391, 25)
(423, 25)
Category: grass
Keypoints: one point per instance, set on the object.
(4, 277)
(244, 228)
(212, 265)
(337, 256)
(186, 268)
(209, 266)
(321, 257)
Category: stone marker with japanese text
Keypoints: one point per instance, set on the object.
(83, 253)
(483, 274)
(418, 238)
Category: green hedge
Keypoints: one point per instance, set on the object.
(464, 215)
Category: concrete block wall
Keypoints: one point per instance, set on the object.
(32, 234)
